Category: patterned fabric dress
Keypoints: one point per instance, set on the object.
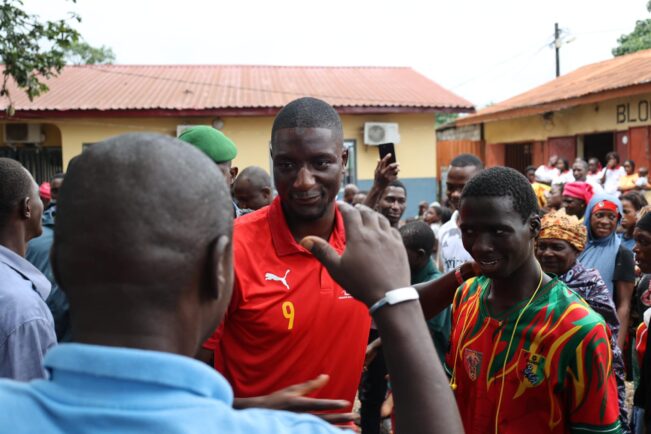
(558, 376)
(588, 284)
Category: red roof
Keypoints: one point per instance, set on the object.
(621, 76)
(236, 88)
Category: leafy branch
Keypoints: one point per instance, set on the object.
(32, 50)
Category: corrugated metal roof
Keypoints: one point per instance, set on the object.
(609, 75)
(206, 87)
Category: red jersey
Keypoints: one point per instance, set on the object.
(288, 320)
(558, 376)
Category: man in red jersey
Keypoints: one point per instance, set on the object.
(288, 321)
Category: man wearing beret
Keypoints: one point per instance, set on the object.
(219, 148)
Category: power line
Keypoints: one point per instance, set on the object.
(492, 67)
(595, 32)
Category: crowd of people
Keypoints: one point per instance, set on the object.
(156, 287)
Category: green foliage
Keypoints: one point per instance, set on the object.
(31, 49)
(638, 39)
(444, 118)
(81, 53)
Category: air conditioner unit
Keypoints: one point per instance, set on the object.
(23, 133)
(376, 133)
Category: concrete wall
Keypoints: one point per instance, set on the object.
(561, 132)
(612, 115)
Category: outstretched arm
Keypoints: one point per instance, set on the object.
(438, 294)
(423, 400)
(384, 174)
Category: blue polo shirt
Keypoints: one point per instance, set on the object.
(97, 389)
(26, 324)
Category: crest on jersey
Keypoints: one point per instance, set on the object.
(532, 374)
(472, 363)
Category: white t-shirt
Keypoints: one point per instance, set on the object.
(596, 178)
(612, 180)
(451, 251)
(642, 181)
(435, 228)
(546, 174)
(596, 187)
(564, 178)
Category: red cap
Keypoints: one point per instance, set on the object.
(44, 191)
(605, 205)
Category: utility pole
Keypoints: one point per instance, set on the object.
(557, 45)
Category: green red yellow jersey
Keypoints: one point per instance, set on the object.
(558, 376)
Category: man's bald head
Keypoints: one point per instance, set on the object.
(256, 175)
(252, 188)
(20, 203)
(350, 190)
(128, 233)
(16, 185)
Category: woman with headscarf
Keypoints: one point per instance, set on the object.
(605, 253)
(562, 238)
(576, 196)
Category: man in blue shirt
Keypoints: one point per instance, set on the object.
(26, 325)
(147, 266)
(38, 253)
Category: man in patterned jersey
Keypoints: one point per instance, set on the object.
(527, 355)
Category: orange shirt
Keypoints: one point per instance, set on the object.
(288, 321)
(627, 182)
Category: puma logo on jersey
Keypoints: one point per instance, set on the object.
(283, 280)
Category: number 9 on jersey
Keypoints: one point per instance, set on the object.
(288, 313)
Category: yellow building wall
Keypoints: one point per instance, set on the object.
(605, 116)
(416, 151)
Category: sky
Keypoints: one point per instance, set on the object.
(484, 51)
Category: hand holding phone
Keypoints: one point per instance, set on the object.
(387, 148)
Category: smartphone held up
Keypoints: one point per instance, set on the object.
(385, 149)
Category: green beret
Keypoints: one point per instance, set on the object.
(211, 142)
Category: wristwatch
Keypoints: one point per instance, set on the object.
(395, 296)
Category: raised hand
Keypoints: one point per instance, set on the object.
(375, 260)
(385, 172)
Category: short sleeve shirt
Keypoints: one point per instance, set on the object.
(624, 266)
(558, 376)
(26, 324)
(288, 320)
(451, 248)
(98, 390)
(612, 179)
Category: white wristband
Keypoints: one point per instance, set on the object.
(395, 296)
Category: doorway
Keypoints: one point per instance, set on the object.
(517, 156)
(42, 162)
(598, 145)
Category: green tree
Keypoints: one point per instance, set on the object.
(444, 118)
(82, 53)
(31, 49)
(638, 39)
